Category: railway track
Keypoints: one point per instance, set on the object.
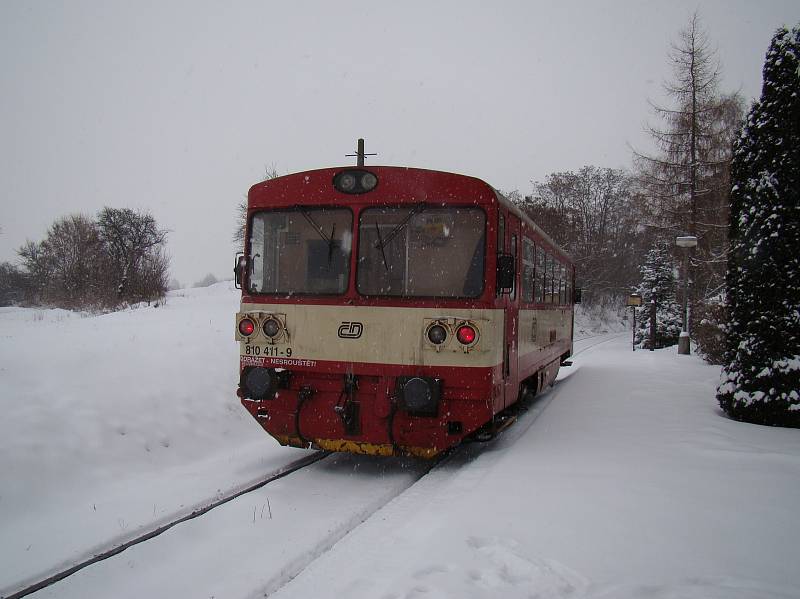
(603, 338)
(417, 471)
(202, 508)
(411, 471)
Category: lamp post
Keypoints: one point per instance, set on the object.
(687, 242)
(634, 301)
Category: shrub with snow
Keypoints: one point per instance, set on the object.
(206, 281)
(709, 326)
(761, 377)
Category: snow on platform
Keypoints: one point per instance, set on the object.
(630, 483)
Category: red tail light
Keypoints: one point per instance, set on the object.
(466, 334)
(246, 327)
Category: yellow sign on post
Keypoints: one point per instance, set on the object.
(635, 300)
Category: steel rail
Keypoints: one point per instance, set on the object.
(116, 549)
(611, 337)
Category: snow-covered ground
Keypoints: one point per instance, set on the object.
(631, 483)
(623, 481)
(111, 423)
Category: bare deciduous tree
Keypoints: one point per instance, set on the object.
(130, 238)
(152, 277)
(64, 265)
(12, 284)
(590, 214)
(83, 263)
(241, 210)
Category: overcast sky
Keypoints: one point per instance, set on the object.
(178, 107)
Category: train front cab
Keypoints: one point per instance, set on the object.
(383, 325)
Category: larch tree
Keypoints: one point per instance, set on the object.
(685, 186)
(761, 377)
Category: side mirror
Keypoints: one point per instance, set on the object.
(505, 273)
(239, 270)
(578, 294)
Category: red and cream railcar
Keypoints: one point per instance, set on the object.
(391, 310)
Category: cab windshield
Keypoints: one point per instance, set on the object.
(300, 250)
(421, 251)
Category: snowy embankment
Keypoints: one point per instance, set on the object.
(113, 422)
(590, 322)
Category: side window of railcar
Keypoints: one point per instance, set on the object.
(302, 250)
(540, 278)
(256, 245)
(501, 234)
(514, 253)
(556, 281)
(563, 287)
(548, 280)
(528, 269)
(417, 251)
(569, 285)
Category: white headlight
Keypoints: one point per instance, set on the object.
(347, 182)
(368, 181)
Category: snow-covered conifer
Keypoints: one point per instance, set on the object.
(761, 377)
(658, 282)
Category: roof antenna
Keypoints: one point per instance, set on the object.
(360, 153)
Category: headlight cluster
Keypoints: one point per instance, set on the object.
(271, 326)
(439, 332)
(355, 181)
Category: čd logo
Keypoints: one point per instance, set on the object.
(351, 330)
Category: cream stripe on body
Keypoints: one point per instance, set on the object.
(388, 335)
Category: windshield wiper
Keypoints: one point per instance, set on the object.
(402, 225)
(399, 227)
(380, 245)
(330, 244)
(320, 232)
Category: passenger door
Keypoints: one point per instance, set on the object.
(511, 307)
